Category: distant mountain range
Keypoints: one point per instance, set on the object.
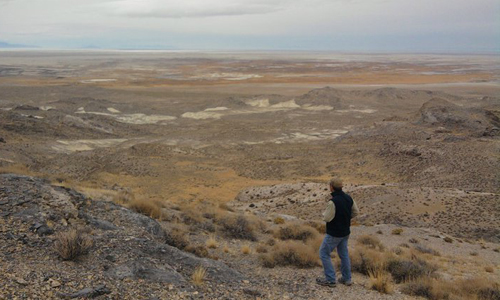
(8, 45)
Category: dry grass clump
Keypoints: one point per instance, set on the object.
(290, 253)
(435, 289)
(212, 242)
(238, 227)
(371, 242)
(397, 231)
(199, 275)
(364, 260)
(407, 269)
(426, 250)
(296, 231)
(261, 248)
(489, 269)
(380, 281)
(72, 244)
(146, 207)
(198, 250)
(123, 197)
(448, 239)
(319, 226)
(245, 249)
(176, 237)
(279, 220)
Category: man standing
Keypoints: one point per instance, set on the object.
(338, 214)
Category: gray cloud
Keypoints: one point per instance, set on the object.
(197, 8)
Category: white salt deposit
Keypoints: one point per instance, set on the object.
(219, 108)
(97, 80)
(317, 107)
(202, 115)
(113, 110)
(46, 108)
(258, 103)
(131, 118)
(286, 104)
(85, 145)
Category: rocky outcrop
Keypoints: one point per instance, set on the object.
(127, 245)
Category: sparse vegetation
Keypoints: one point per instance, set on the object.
(380, 281)
(261, 248)
(279, 220)
(72, 244)
(291, 253)
(198, 250)
(123, 197)
(176, 237)
(448, 239)
(199, 275)
(426, 250)
(489, 269)
(238, 227)
(296, 231)
(397, 231)
(407, 269)
(371, 242)
(212, 242)
(245, 249)
(146, 207)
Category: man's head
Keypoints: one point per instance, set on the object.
(336, 184)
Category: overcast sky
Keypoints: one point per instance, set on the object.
(341, 25)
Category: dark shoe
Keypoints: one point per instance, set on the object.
(345, 282)
(324, 282)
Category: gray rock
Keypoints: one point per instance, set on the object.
(87, 292)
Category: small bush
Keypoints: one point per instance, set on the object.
(381, 281)
(245, 249)
(404, 269)
(296, 232)
(261, 249)
(197, 250)
(238, 227)
(371, 242)
(199, 275)
(279, 220)
(176, 238)
(474, 253)
(448, 239)
(413, 241)
(146, 207)
(72, 244)
(365, 260)
(426, 250)
(488, 269)
(319, 226)
(226, 249)
(397, 231)
(425, 287)
(212, 242)
(123, 197)
(290, 253)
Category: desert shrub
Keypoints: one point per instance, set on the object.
(271, 242)
(397, 231)
(199, 275)
(211, 242)
(176, 237)
(245, 249)
(198, 250)
(72, 244)
(290, 253)
(379, 232)
(296, 232)
(407, 269)
(474, 253)
(380, 281)
(425, 287)
(146, 207)
(371, 242)
(207, 225)
(448, 239)
(225, 207)
(413, 240)
(261, 248)
(191, 216)
(238, 227)
(319, 226)
(123, 197)
(279, 220)
(365, 260)
(489, 269)
(426, 250)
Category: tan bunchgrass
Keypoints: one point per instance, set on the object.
(72, 244)
(381, 281)
(245, 249)
(212, 242)
(199, 275)
(150, 208)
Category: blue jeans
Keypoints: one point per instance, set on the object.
(328, 245)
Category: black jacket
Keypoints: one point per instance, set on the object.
(340, 226)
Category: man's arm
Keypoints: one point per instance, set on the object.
(355, 210)
(329, 212)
